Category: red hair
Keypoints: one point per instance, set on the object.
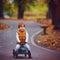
(21, 25)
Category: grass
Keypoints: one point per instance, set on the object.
(38, 11)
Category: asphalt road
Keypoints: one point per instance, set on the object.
(8, 40)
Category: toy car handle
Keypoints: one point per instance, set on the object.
(21, 42)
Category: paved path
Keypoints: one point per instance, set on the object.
(8, 39)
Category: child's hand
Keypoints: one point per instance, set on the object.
(17, 42)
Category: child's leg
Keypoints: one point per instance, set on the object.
(29, 50)
(17, 47)
(27, 46)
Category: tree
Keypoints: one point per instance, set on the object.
(1, 9)
(54, 13)
(20, 9)
(22, 4)
(51, 10)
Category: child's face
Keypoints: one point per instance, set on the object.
(22, 28)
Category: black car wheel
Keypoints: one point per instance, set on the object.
(25, 55)
(13, 53)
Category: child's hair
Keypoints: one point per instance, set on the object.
(21, 25)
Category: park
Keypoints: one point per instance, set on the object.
(42, 20)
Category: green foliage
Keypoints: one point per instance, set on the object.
(29, 5)
(10, 8)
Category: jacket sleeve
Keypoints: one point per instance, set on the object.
(27, 36)
(17, 37)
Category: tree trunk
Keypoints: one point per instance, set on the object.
(20, 12)
(20, 9)
(51, 9)
(54, 13)
(57, 17)
(1, 9)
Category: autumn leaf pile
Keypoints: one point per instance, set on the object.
(51, 41)
(3, 26)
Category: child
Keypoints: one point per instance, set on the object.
(22, 37)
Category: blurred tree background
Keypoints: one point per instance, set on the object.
(10, 9)
(32, 8)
